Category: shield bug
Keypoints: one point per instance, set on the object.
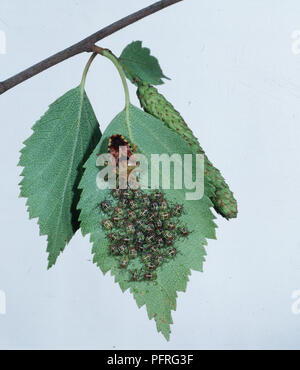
(135, 275)
(170, 242)
(170, 226)
(159, 224)
(116, 193)
(116, 219)
(140, 237)
(118, 212)
(124, 262)
(112, 236)
(132, 204)
(151, 266)
(183, 231)
(160, 242)
(122, 203)
(165, 215)
(132, 253)
(149, 276)
(150, 238)
(159, 259)
(130, 229)
(144, 212)
(122, 249)
(114, 250)
(154, 250)
(107, 224)
(156, 195)
(168, 235)
(155, 206)
(126, 239)
(163, 205)
(131, 215)
(147, 257)
(178, 209)
(139, 223)
(128, 194)
(172, 252)
(138, 194)
(150, 227)
(153, 216)
(105, 206)
(139, 246)
(145, 200)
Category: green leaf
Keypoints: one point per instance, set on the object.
(159, 296)
(139, 64)
(52, 158)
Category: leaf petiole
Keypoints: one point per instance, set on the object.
(86, 69)
(108, 54)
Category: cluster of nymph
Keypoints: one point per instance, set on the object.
(144, 226)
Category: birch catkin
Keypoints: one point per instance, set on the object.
(216, 188)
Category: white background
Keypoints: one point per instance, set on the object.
(237, 83)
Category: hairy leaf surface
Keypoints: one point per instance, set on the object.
(52, 158)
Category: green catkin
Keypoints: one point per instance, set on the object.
(216, 188)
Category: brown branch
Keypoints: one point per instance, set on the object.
(85, 45)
